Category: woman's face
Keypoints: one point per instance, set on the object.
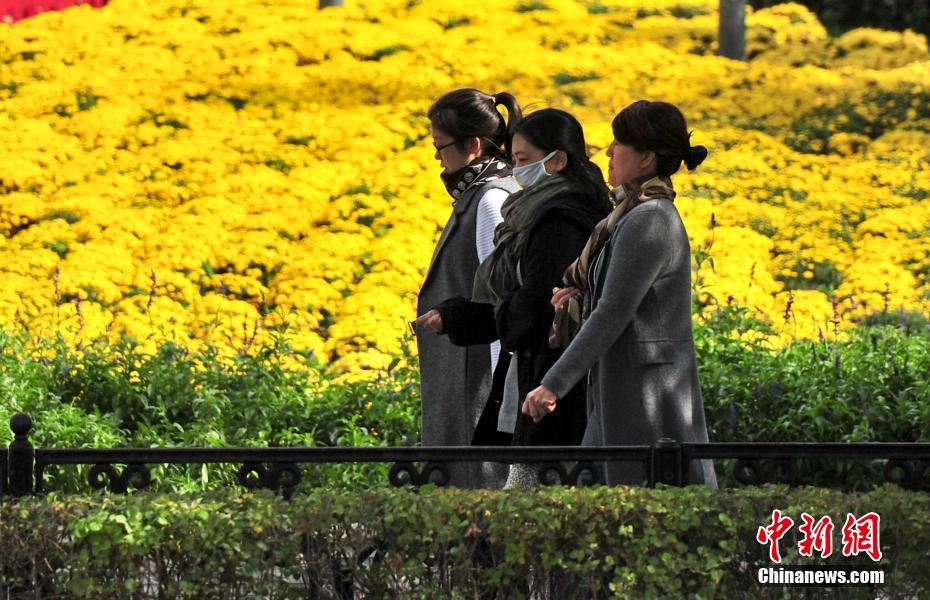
(627, 164)
(451, 158)
(525, 153)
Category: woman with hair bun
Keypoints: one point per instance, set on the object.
(471, 136)
(633, 278)
(545, 227)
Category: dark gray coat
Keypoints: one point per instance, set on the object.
(637, 343)
(455, 381)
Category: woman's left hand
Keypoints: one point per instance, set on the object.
(561, 295)
(539, 403)
(432, 320)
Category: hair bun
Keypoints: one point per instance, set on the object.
(695, 156)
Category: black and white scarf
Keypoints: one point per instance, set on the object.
(477, 173)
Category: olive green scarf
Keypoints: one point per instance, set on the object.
(496, 278)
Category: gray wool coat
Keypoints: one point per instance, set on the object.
(455, 381)
(637, 343)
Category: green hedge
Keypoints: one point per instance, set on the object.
(432, 543)
(873, 386)
(111, 395)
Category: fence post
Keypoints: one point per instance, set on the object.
(21, 456)
(666, 463)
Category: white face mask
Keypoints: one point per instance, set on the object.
(532, 173)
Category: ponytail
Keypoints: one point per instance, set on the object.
(470, 113)
(514, 116)
(695, 156)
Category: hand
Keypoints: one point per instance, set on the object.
(431, 320)
(539, 403)
(561, 295)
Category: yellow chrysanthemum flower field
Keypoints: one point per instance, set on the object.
(206, 170)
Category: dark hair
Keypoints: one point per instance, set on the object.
(470, 113)
(660, 127)
(553, 129)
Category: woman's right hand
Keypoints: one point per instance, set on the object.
(539, 403)
(561, 295)
(431, 320)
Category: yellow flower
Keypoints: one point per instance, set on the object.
(208, 173)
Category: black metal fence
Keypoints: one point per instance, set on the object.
(22, 467)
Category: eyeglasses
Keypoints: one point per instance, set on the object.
(444, 146)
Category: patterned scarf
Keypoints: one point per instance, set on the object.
(568, 320)
(476, 173)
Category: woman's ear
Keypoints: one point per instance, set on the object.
(557, 162)
(473, 146)
(648, 162)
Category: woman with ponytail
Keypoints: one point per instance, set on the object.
(545, 226)
(631, 287)
(471, 133)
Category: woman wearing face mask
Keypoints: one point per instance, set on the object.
(472, 141)
(634, 278)
(545, 226)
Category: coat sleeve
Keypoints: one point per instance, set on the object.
(524, 319)
(466, 322)
(639, 253)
